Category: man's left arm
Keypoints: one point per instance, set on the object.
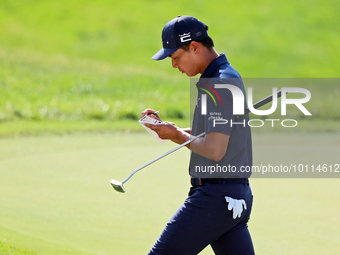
(212, 146)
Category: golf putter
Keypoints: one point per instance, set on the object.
(118, 186)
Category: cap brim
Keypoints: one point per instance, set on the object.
(164, 53)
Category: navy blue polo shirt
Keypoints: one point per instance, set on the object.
(218, 117)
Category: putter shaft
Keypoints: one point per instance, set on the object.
(169, 152)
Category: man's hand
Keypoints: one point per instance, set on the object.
(152, 113)
(166, 130)
(236, 205)
(213, 146)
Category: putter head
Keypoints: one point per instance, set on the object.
(118, 186)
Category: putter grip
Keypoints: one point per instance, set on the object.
(261, 103)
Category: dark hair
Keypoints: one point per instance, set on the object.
(207, 42)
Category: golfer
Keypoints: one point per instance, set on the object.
(219, 203)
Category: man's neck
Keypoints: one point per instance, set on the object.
(208, 57)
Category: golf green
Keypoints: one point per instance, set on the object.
(56, 197)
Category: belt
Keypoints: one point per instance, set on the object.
(201, 181)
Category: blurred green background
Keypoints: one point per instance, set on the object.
(86, 66)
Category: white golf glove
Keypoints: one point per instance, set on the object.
(236, 205)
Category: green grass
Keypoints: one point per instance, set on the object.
(83, 67)
(83, 91)
(9, 250)
(59, 201)
(264, 39)
(84, 61)
(51, 127)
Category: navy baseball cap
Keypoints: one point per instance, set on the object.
(179, 32)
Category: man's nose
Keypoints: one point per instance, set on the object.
(174, 64)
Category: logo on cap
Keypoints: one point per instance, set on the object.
(185, 37)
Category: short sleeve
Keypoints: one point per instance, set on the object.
(219, 113)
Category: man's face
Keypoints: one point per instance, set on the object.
(185, 61)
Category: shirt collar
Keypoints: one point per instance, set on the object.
(220, 60)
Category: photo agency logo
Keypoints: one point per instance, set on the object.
(239, 105)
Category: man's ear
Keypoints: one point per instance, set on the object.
(195, 46)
